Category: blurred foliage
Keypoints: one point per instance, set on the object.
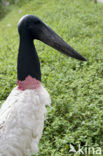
(76, 88)
(2, 10)
(18, 2)
(5, 5)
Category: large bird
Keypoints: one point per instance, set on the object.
(23, 113)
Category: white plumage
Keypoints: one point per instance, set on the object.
(21, 121)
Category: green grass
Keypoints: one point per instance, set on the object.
(76, 88)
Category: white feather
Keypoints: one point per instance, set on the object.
(22, 120)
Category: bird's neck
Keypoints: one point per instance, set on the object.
(28, 64)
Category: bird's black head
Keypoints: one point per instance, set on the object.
(36, 29)
(31, 27)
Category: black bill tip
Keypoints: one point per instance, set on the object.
(83, 59)
(76, 55)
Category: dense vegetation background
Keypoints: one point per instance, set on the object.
(76, 88)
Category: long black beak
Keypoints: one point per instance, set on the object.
(49, 37)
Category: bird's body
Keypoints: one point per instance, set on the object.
(23, 113)
(22, 120)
